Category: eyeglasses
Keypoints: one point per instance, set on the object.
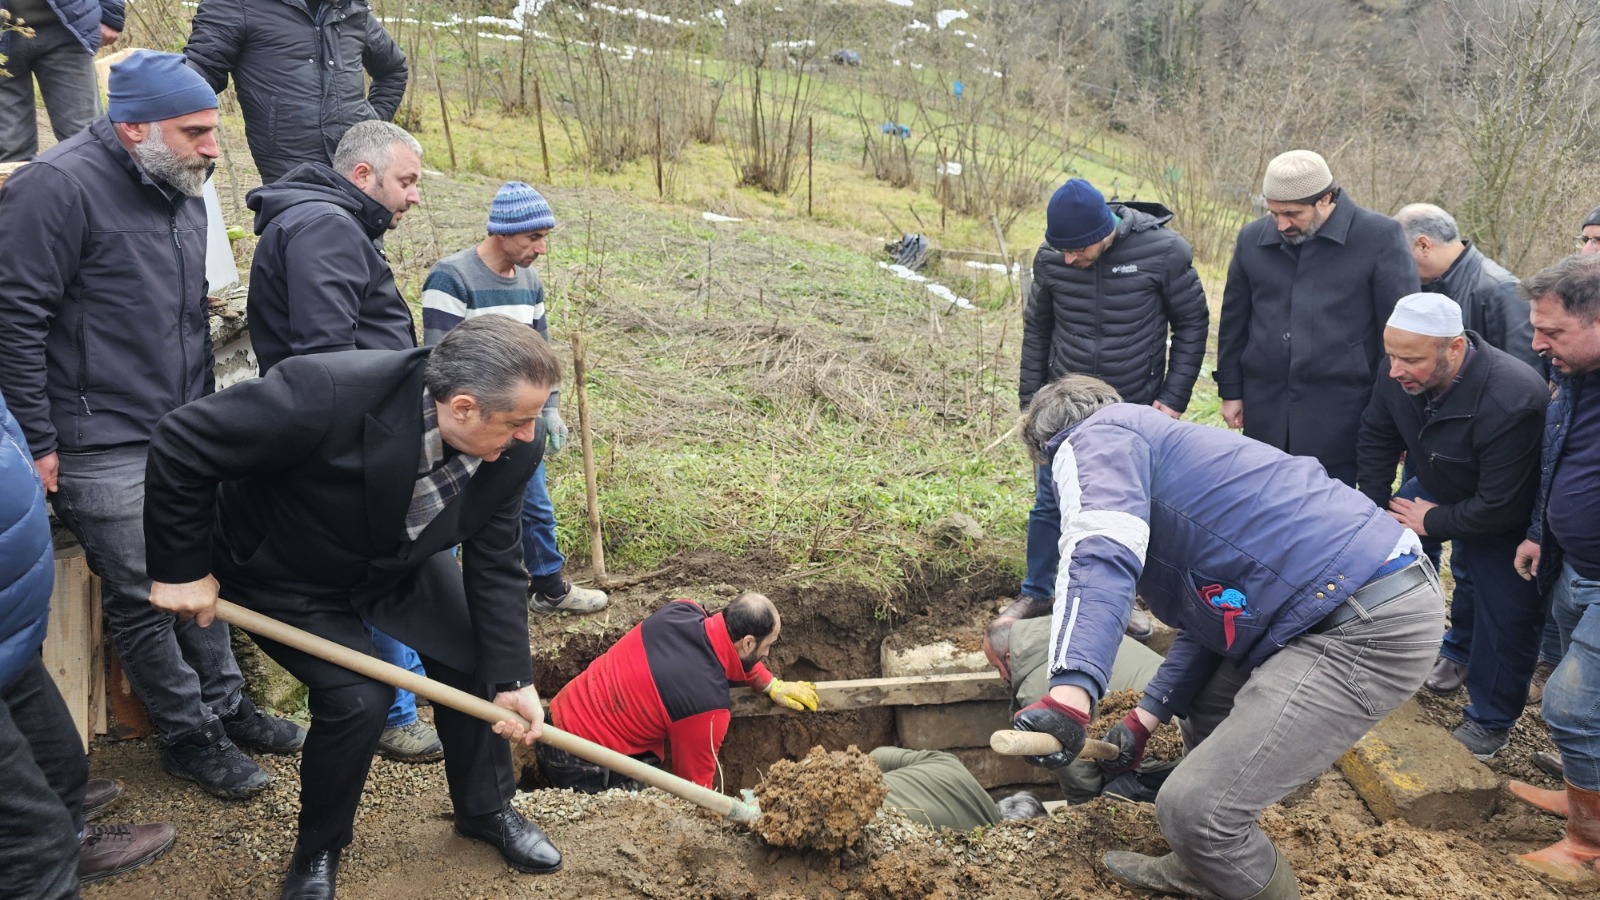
(1584, 240)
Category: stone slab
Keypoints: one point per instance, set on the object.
(937, 658)
(993, 770)
(1408, 767)
(951, 725)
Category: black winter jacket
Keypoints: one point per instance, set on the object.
(318, 283)
(1300, 335)
(298, 77)
(1491, 303)
(102, 296)
(1478, 455)
(1111, 320)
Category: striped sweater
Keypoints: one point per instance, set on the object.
(462, 286)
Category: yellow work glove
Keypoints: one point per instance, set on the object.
(796, 695)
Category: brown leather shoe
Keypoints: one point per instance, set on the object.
(1446, 677)
(98, 795)
(1140, 625)
(1541, 674)
(107, 850)
(1550, 763)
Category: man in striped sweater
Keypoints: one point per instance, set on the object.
(497, 276)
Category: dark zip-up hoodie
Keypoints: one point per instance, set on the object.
(318, 283)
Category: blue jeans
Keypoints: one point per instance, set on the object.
(539, 551)
(65, 72)
(1572, 696)
(1496, 619)
(403, 711)
(185, 674)
(42, 776)
(1044, 538)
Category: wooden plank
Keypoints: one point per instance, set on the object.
(911, 690)
(128, 717)
(67, 643)
(97, 659)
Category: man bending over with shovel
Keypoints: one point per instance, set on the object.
(1305, 615)
(329, 493)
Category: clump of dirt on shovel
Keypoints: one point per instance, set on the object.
(821, 801)
(1166, 742)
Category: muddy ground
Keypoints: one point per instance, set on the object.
(652, 845)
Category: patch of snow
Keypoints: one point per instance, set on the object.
(951, 167)
(919, 25)
(934, 287)
(793, 45)
(713, 217)
(945, 16)
(901, 2)
(992, 267)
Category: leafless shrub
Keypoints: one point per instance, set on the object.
(779, 66)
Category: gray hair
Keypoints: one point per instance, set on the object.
(1060, 405)
(372, 142)
(488, 358)
(1022, 805)
(1425, 219)
(1575, 281)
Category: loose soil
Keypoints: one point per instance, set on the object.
(821, 801)
(1166, 742)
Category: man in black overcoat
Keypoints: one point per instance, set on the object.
(330, 492)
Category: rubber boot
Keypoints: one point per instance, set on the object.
(1282, 885)
(1540, 798)
(1572, 858)
(1162, 874)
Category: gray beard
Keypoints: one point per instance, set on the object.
(160, 161)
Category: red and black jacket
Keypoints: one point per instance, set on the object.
(665, 682)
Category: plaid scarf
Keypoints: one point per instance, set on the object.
(439, 480)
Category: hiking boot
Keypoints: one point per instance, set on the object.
(522, 843)
(107, 850)
(1446, 677)
(312, 876)
(1140, 625)
(252, 728)
(416, 742)
(1541, 674)
(1483, 742)
(574, 599)
(1550, 763)
(209, 759)
(1572, 859)
(98, 794)
(1162, 874)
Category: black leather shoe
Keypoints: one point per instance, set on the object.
(311, 875)
(521, 842)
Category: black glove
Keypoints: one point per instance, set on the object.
(1063, 723)
(1130, 736)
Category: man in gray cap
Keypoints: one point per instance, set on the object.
(103, 332)
(1589, 235)
(1300, 340)
(1468, 417)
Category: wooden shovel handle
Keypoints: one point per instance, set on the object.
(479, 708)
(1036, 743)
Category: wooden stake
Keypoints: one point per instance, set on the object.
(597, 549)
(444, 113)
(538, 116)
(1005, 256)
(809, 135)
(661, 190)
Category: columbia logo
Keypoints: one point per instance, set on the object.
(1125, 269)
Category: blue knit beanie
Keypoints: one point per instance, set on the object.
(518, 209)
(150, 87)
(1078, 217)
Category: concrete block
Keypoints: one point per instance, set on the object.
(1407, 767)
(937, 658)
(951, 725)
(993, 770)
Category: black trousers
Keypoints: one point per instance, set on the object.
(42, 776)
(347, 718)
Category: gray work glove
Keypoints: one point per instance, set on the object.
(555, 429)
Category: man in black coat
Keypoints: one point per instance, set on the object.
(1300, 337)
(297, 66)
(1110, 283)
(329, 493)
(1468, 418)
(1490, 297)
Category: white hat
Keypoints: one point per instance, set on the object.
(1296, 175)
(1434, 315)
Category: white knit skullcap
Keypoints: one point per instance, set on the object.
(1296, 175)
(1433, 315)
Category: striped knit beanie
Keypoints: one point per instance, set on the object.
(518, 209)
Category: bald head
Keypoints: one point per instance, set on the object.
(753, 624)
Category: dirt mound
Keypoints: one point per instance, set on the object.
(821, 801)
(1166, 742)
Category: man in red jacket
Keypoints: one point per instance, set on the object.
(666, 682)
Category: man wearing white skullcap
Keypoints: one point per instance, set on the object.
(1468, 418)
(1299, 337)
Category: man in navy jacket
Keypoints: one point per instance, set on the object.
(1305, 615)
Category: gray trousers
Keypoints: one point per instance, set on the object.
(1256, 737)
(65, 72)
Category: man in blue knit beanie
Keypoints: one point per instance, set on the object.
(497, 276)
(1114, 295)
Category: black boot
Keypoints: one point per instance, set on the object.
(521, 842)
(1161, 874)
(311, 875)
